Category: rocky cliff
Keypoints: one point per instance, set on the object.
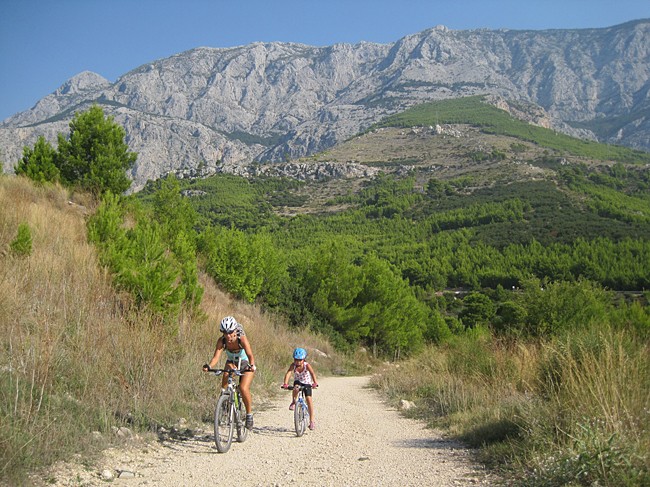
(221, 109)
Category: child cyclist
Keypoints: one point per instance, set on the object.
(303, 375)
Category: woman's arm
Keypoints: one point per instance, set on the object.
(249, 351)
(217, 353)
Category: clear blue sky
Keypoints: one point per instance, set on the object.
(43, 43)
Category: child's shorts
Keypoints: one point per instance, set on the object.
(307, 387)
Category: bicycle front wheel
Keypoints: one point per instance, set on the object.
(299, 417)
(223, 423)
(242, 432)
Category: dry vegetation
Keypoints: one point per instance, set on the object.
(77, 357)
(564, 411)
(444, 156)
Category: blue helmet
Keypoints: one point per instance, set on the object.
(300, 353)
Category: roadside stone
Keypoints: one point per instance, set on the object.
(124, 432)
(406, 405)
(107, 475)
(126, 474)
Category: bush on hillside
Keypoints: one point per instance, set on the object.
(40, 163)
(160, 275)
(22, 244)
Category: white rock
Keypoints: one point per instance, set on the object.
(406, 405)
(107, 474)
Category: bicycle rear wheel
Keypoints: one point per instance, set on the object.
(242, 431)
(299, 417)
(223, 423)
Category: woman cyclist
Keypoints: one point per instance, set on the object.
(237, 347)
(303, 375)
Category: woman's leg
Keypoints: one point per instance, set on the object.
(245, 388)
(224, 377)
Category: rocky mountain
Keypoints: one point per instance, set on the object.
(221, 109)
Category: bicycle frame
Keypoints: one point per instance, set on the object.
(229, 412)
(300, 412)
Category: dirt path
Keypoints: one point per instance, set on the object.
(358, 441)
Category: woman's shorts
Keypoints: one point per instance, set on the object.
(244, 365)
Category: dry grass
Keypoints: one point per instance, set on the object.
(77, 357)
(566, 411)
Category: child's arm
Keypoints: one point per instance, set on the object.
(313, 374)
(287, 375)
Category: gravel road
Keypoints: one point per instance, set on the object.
(358, 441)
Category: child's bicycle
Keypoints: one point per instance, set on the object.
(300, 411)
(230, 412)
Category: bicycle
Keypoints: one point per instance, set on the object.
(300, 411)
(230, 412)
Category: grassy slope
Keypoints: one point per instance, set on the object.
(77, 357)
(557, 411)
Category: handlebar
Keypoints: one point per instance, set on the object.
(224, 371)
(300, 387)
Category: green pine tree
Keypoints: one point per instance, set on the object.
(39, 163)
(95, 156)
(22, 244)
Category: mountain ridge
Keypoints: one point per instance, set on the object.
(269, 102)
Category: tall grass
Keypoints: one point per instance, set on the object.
(564, 411)
(76, 357)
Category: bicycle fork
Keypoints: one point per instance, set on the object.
(229, 418)
(304, 407)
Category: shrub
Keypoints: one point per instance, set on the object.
(22, 244)
(39, 163)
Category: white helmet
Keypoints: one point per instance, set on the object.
(228, 324)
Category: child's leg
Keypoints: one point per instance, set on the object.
(294, 396)
(310, 406)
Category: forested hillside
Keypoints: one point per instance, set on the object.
(354, 258)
